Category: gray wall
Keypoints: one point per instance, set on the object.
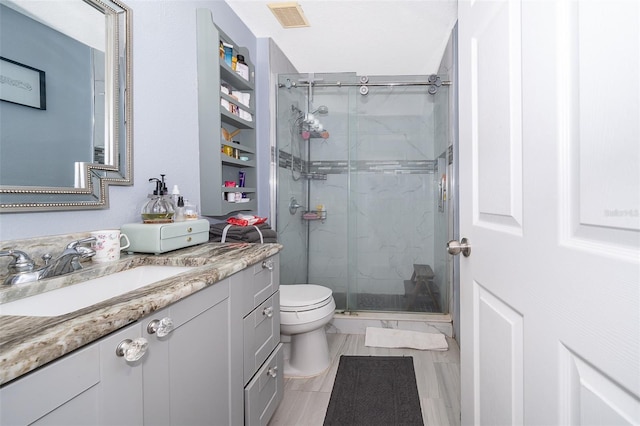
(33, 135)
(165, 117)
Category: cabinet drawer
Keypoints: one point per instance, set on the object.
(261, 330)
(164, 237)
(263, 394)
(182, 241)
(263, 280)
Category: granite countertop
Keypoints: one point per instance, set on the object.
(27, 343)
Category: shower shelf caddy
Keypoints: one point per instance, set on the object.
(215, 122)
(314, 176)
(314, 215)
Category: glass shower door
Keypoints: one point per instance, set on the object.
(394, 191)
(291, 188)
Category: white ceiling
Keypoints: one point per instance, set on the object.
(369, 37)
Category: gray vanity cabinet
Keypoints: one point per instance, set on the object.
(91, 386)
(186, 378)
(182, 379)
(256, 319)
(218, 363)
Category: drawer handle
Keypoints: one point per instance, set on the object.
(267, 264)
(161, 327)
(188, 239)
(272, 371)
(189, 229)
(268, 312)
(132, 350)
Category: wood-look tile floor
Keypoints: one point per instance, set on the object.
(437, 373)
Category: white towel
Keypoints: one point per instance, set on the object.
(394, 338)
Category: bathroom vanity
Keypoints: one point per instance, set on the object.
(208, 341)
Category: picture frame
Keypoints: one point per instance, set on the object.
(22, 85)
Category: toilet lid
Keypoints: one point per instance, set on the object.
(297, 296)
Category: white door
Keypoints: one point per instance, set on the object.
(549, 201)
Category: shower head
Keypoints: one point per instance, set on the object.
(322, 109)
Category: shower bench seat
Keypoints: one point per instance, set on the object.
(422, 277)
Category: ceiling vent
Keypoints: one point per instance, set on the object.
(289, 14)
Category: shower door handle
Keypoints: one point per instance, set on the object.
(455, 248)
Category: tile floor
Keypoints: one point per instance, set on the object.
(438, 375)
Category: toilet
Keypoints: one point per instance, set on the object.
(304, 311)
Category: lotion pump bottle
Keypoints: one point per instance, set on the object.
(175, 193)
(179, 217)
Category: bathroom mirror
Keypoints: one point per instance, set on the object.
(65, 103)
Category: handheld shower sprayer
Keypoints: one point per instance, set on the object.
(310, 125)
(312, 122)
(322, 110)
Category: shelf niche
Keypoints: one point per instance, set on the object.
(216, 167)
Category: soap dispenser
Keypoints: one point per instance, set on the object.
(159, 209)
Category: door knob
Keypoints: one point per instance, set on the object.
(454, 247)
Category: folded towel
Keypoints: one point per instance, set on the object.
(246, 220)
(242, 234)
(395, 338)
(233, 240)
(218, 228)
(250, 234)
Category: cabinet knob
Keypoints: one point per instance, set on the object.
(268, 312)
(132, 350)
(267, 264)
(161, 327)
(272, 371)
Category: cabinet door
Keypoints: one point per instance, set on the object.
(120, 398)
(186, 375)
(91, 386)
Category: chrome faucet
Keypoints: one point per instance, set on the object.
(22, 268)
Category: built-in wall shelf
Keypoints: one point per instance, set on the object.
(216, 107)
(234, 120)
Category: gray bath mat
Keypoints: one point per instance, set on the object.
(374, 390)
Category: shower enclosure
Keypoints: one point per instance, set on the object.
(362, 206)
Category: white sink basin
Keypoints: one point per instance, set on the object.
(78, 296)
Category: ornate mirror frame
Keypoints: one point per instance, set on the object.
(91, 191)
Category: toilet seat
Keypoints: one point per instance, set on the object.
(303, 297)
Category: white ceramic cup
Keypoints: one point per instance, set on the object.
(108, 244)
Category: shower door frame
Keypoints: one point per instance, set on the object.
(451, 145)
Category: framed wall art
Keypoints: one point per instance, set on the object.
(21, 84)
